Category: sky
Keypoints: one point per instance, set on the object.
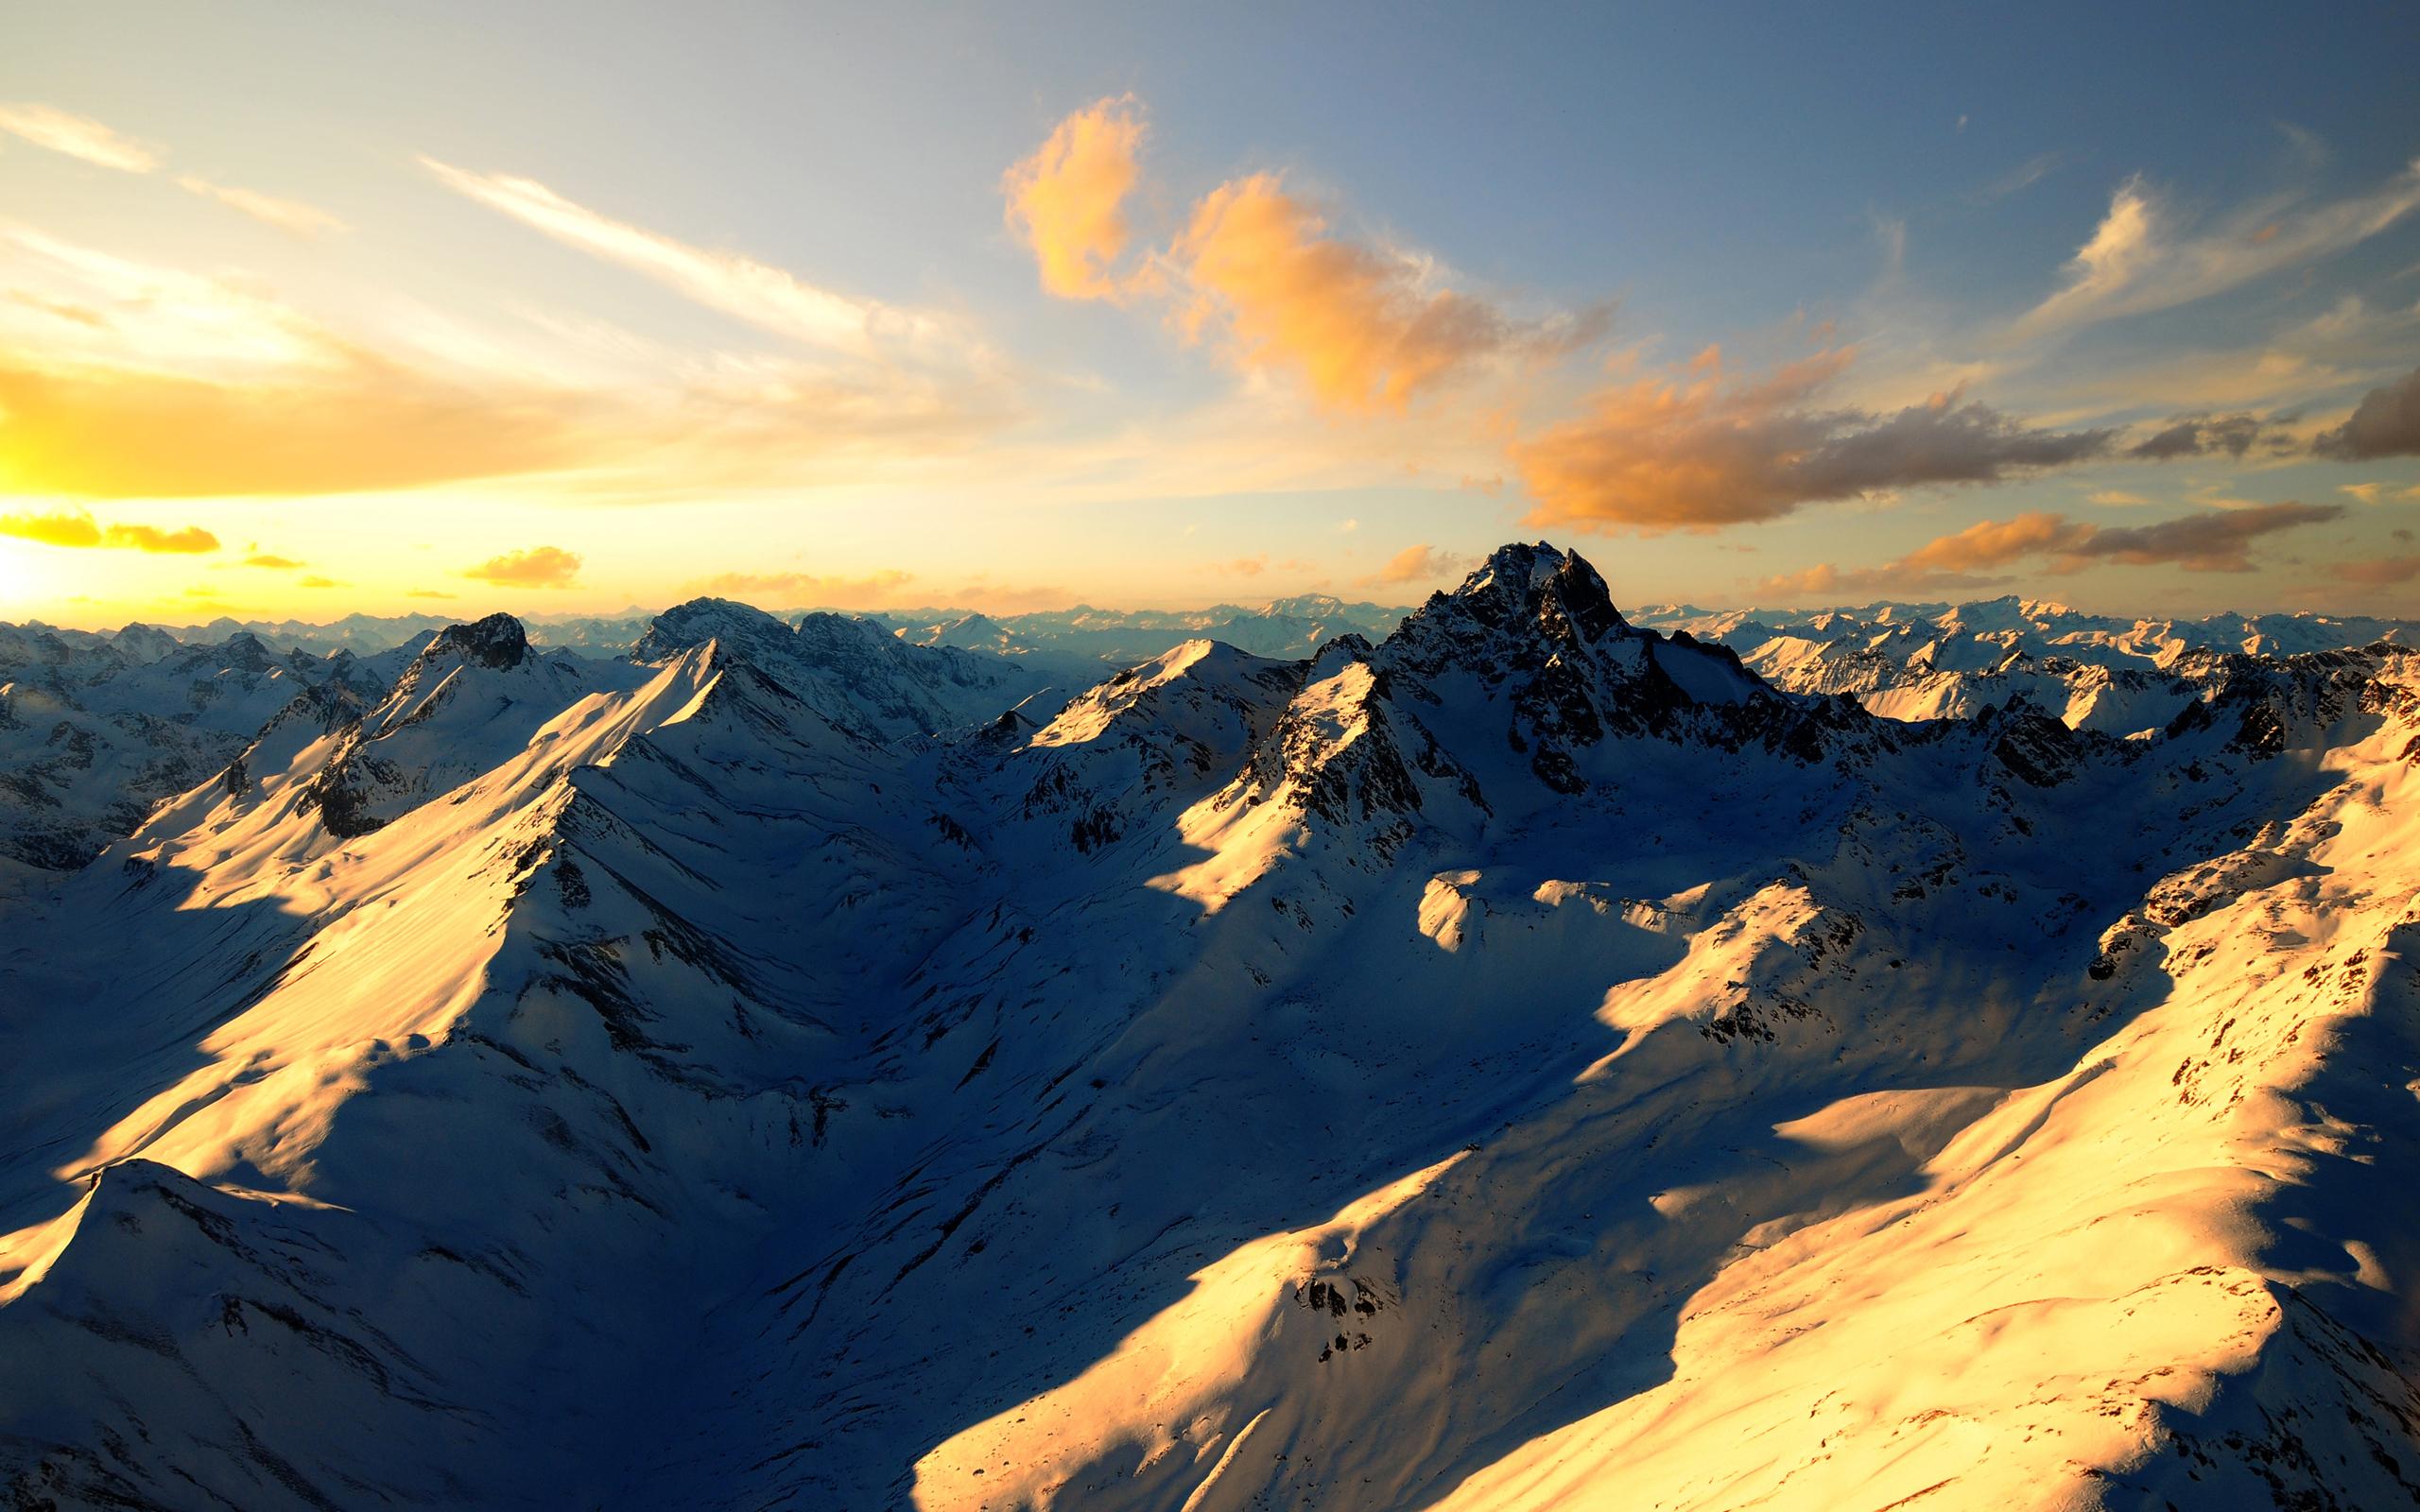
(311, 310)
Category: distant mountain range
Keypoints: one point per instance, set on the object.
(1280, 626)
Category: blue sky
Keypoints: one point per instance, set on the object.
(536, 304)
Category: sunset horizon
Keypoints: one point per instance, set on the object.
(283, 338)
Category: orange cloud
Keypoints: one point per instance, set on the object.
(1416, 564)
(2379, 571)
(538, 567)
(271, 560)
(76, 136)
(1698, 451)
(1362, 326)
(125, 380)
(1997, 542)
(1826, 581)
(80, 531)
(806, 589)
(1068, 201)
(122, 433)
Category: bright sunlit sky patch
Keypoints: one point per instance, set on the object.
(313, 309)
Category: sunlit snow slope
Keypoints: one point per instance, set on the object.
(1525, 1062)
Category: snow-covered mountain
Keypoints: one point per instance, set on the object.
(95, 729)
(1083, 636)
(1518, 1058)
(1937, 660)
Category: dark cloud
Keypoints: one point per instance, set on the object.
(1703, 453)
(2385, 423)
(2204, 435)
(2214, 540)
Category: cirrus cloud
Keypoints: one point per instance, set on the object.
(2140, 259)
(76, 136)
(289, 215)
(762, 295)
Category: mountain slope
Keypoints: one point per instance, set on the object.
(1525, 1062)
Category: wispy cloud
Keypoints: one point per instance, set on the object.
(289, 215)
(758, 293)
(78, 136)
(122, 379)
(2141, 259)
(90, 141)
(2372, 493)
(2016, 181)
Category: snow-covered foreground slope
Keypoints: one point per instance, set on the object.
(1524, 1062)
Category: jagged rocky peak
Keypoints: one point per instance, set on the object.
(244, 652)
(701, 620)
(826, 630)
(497, 641)
(1538, 584)
(142, 644)
(1524, 604)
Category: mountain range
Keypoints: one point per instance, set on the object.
(1513, 1054)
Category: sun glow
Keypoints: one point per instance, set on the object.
(16, 581)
